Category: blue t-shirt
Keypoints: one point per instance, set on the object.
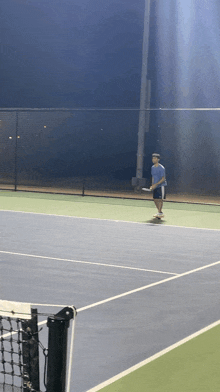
(157, 173)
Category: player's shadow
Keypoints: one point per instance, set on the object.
(156, 221)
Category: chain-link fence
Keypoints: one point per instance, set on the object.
(94, 151)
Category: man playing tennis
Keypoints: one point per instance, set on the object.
(158, 184)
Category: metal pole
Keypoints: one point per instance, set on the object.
(143, 95)
(147, 118)
(57, 350)
(16, 151)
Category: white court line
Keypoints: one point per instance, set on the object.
(147, 286)
(113, 220)
(144, 287)
(152, 358)
(133, 291)
(89, 262)
(136, 290)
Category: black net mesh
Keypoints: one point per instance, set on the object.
(19, 369)
(12, 367)
(33, 353)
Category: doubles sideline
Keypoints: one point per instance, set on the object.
(152, 358)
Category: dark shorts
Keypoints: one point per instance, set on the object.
(160, 193)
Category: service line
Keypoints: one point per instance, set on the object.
(148, 286)
(89, 262)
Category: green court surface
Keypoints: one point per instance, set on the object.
(177, 214)
(192, 367)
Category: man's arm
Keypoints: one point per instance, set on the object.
(158, 183)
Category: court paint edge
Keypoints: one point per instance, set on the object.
(152, 358)
(89, 262)
(147, 286)
(87, 307)
(142, 288)
(112, 220)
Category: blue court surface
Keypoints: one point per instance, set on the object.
(138, 288)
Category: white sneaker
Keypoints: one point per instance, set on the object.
(159, 215)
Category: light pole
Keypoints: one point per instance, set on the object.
(16, 153)
(139, 181)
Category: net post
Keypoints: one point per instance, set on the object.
(30, 348)
(57, 350)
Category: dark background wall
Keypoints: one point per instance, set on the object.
(88, 54)
(70, 53)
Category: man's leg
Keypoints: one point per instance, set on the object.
(156, 203)
(159, 204)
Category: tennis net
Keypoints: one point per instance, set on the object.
(35, 355)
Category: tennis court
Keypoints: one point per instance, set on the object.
(147, 294)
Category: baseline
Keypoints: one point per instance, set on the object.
(111, 220)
